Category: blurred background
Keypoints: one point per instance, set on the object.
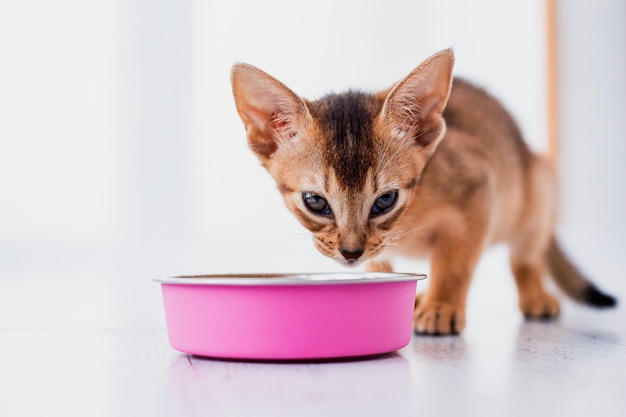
(122, 157)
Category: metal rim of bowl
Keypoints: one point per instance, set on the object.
(268, 279)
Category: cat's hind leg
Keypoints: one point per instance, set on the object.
(534, 300)
(530, 243)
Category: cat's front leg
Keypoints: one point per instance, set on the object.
(436, 317)
(379, 266)
(440, 310)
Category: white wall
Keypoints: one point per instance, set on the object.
(592, 38)
(59, 95)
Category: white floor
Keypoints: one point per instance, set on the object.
(98, 346)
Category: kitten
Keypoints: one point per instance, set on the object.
(432, 167)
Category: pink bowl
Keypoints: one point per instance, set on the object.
(289, 317)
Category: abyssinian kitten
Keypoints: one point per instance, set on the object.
(433, 166)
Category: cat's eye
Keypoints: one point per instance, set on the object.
(317, 204)
(384, 203)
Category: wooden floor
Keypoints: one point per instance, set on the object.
(99, 348)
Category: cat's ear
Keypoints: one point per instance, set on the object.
(413, 107)
(270, 111)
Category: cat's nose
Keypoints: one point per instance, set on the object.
(351, 255)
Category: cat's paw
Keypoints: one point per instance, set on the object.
(539, 306)
(436, 317)
(379, 266)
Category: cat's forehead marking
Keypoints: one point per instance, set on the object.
(346, 123)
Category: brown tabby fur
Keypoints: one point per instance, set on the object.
(464, 176)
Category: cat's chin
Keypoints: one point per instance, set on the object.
(350, 264)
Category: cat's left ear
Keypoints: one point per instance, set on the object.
(413, 108)
(270, 111)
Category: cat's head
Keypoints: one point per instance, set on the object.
(347, 164)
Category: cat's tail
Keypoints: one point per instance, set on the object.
(573, 282)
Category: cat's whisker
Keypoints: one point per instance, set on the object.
(398, 234)
(394, 235)
(415, 229)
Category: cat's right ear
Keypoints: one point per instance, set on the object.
(270, 111)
